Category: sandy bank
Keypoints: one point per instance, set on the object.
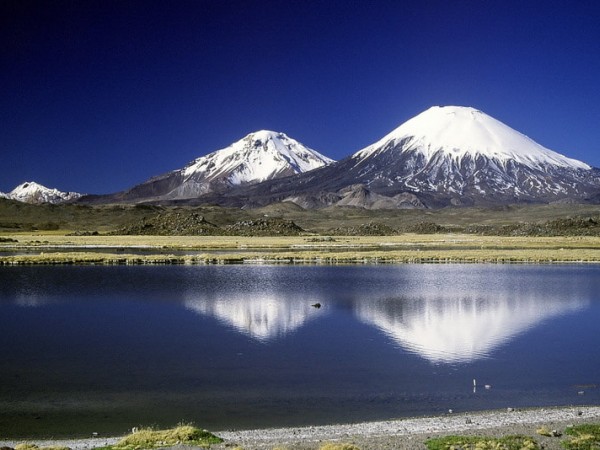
(398, 434)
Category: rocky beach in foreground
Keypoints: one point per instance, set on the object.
(410, 433)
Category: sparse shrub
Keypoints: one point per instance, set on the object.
(321, 239)
(172, 223)
(47, 226)
(264, 227)
(426, 228)
(365, 229)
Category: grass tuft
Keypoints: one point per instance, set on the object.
(482, 443)
(544, 431)
(29, 446)
(338, 446)
(148, 438)
(583, 437)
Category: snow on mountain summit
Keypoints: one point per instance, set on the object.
(459, 131)
(259, 156)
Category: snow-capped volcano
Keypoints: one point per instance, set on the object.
(460, 155)
(32, 192)
(260, 156)
(458, 132)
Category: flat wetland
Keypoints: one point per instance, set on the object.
(49, 248)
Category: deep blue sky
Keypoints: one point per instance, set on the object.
(96, 96)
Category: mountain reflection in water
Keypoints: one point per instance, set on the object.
(263, 316)
(436, 316)
(445, 314)
(448, 329)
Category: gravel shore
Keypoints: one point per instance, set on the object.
(402, 434)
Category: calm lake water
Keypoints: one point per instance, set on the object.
(102, 349)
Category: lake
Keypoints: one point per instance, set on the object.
(105, 348)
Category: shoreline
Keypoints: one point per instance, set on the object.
(407, 433)
(208, 250)
(114, 260)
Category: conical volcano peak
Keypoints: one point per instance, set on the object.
(459, 131)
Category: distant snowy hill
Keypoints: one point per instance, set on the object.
(260, 156)
(32, 192)
(444, 156)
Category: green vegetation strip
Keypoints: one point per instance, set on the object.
(365, 257)
(579, 437)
